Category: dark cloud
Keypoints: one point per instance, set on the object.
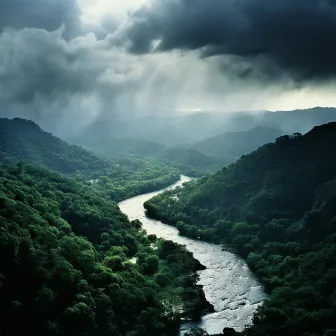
(66, 78)
(36, 62)
(295, 36)
(45, 14)
(64, 85)
(50, 80)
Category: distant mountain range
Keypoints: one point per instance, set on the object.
(235, 144)
(192, 128)
(195, 143)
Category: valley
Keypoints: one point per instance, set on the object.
(227, 282)
(114, 239)
(167, 168)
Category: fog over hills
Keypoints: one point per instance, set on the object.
(106, 103)
(67, 64)
(191, 128)
(235, 144)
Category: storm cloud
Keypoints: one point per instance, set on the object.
(292, 36)
(66, 85)
(44, 14)
(55, 81)
(162, 58)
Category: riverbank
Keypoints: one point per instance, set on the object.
(228, 284)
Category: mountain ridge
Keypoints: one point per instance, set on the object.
(276, 207)
(22, 139)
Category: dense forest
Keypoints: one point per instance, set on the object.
(71, 263)
(192, 159)
(152, 182)
(109, 145)
(130, 176)
(121, 175)
(232, 145)
(195, 144)
(276, 208)
(22, 139)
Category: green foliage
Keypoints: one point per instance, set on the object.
(190, 161)
(112, 145)
(235, 144)
(121, 176)
(177, 280)
(193, 160)
(66, 265)
(275, 207)
(129, 176)
(196, 332)
(22, 139)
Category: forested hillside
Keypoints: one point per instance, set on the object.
(232, 145)
(22, 139)
(195, 160)
(66, 263)
(109, 145)
(199, 143)
(129, 176)
(219, 138)
(277, 208)
(121, 175)
(191, 161)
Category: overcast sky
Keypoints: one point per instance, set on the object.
(65, 63)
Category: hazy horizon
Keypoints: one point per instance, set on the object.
(68, 63)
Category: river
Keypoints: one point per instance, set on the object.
(228, 283)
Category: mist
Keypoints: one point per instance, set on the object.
(75, 70)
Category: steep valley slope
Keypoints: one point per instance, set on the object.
(277, 208)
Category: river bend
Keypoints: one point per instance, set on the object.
(227, 282)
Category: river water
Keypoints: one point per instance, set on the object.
(227, 282)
